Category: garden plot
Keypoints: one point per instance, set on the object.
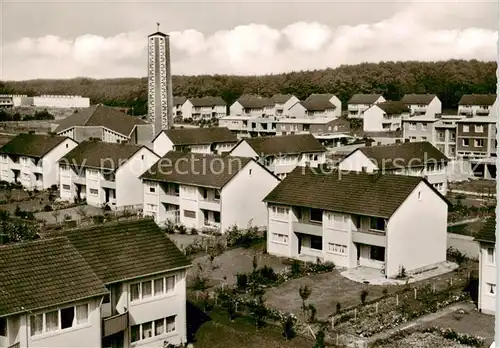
(422, 340)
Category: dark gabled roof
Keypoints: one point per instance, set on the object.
(487, 231)
(179, 100)
(200, 136)
(101, 116)
(364, 98)
(98, 154)
(44, 273)
(478, 99)
(413, 99)
(125, 250)
(207, 101)
(319, 97)
(252, 101)
(281, 98)
(285, 144)
(393, 107)
(348, 192)
(31, 145)
(403, 155)
(195, 169)
(317, 105)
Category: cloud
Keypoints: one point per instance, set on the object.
(413, 34)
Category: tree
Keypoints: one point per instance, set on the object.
(258, 311)
(320, 339)
(304, 292)
(288, 326)
(18, 230)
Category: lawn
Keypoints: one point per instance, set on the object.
(216, 331)
(4, 139)
(470, 323)
(479, 185)
(467, 229)
(421, 340)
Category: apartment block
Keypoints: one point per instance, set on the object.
(422, 104)
(105, 174)
(410, 158)
(359, 103)
(32, 159)
(471, 105)
(281, 154)
(213, 140)
(207, 191)
(73, 288)
(384, 117)
(487, 267)
(358, 219)
(107, 124)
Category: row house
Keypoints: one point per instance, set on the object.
(177, 103)
(440, 131)
(74, 287)
(384, 117)
(107, 124)
(282, 103)
(471, 105)
(358, 219)
(410, 158)
(487, 267)
(32, 159)
(207, 191)
(281, 154)
(422, 104)
(204, 108)
(252, 106)
(213, 140)
(477, 143)
(105, 174)
(359, 103)
(317, 106)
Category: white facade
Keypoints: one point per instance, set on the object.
(356, 110)
(236, 109)
(238, 203)
(431, 109)
(487, 278)
(206, 112)
(299, 111)
(105, 134)
(435, 174)
(282, 109)
(61, 101)
(476, 110)
(376, 120)
(353, 240)
(34, 173)
(118, 190)
(162, 144)
(282, 164)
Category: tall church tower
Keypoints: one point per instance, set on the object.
(159, 82)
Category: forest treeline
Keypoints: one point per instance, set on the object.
(448, 79)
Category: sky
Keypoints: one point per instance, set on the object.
(105, 39)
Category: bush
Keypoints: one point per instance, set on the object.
(47, 208)
(181, 229)
(289, 327)
(362, 296)
(106, 207)
(296, 268)
(194, 231)
(242, 281)
(98, 219)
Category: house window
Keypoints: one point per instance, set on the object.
(337, 248)
(158, 283)
(146, 289)
(190, 214)
(465, 142)
(478, 128)
(281, 212)
(356, 219)
(419, 195)
(424, 126)
(36, 324)
(316, 242)
(66, 187)
(94, 192)
(151, 329)
(280, 238)
(491, 288)
(478, 142)
(134, 333)
(377, 224)
(465, 128)
(147, 330)
(3, 327)
(152, 189)
(316, 215)
(424, 138)
(413, 126)
(377, 253)
(491, 255)
(452, 135)
(159, 327)
(152, 288)
(51, 321)
(217, 194)
(67, 317)
(217, 216)
(170, 323)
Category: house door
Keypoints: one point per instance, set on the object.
(299, 239)
(106, 193)
(358, 253)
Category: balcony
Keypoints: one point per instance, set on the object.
(169, 197)
(114, 324)
(80, 180)
(15, 345)
(212, 224)
(110, 184)
(305, 227)
(369, 237)
(208, 204)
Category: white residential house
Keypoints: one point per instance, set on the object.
(61, 101)
(317, 106)
(57, 293)
(204, 108)
(281, 154)
(32, 159)
(207, 191)
(487, 268)
(422, 104)
(384, 117)
(409, 158)
(358, 219)
(105, 174)
(471, 105)
(177, 106)
(107, 124)
(251, 106)
(282, 103)
(213, 140)
(359, 103)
